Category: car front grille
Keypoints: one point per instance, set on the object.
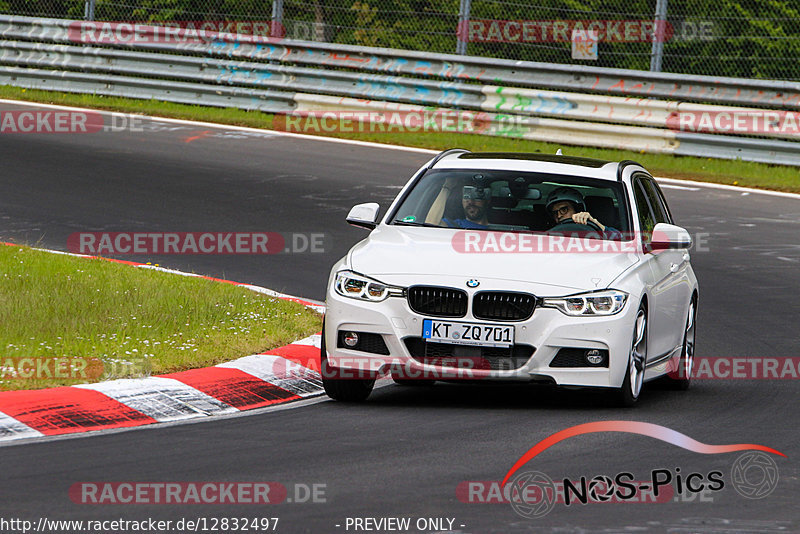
(503, 305)
(438, 301)
(468, 357)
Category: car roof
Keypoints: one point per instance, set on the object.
(531, 162)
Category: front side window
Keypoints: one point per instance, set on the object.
(512, 201)
(647, 219)
(659, 209)
(657, 197)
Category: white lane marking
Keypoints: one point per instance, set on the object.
(784, 258)
(227, 127)
(163, 399)
(780, 221)
(670, 186)
(10, 428)
(366, 144)
(727, 187)
(284, 373)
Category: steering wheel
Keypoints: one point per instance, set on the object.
(572, 226)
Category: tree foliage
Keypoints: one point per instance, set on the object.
(743, 38)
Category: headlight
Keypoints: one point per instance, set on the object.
(607, 302)
(357, 286)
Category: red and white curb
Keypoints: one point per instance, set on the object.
(281, 375)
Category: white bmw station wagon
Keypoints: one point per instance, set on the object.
(514, 267)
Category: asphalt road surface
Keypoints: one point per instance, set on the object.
(405, 452)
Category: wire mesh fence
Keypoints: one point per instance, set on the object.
(740, 38)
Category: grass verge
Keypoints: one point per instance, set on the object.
(68, 320)
(734, 172)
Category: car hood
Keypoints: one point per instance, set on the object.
(408, 255)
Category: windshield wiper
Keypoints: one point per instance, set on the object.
(399, 222)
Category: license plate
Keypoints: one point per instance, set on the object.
(484, 335)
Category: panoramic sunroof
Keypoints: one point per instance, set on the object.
(552, 158)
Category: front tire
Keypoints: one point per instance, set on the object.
(339, 388)
(684, 374)
(631, 388)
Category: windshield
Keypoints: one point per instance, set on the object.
(515, 201)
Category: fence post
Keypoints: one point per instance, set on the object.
(276, 25)
(659, 35)
(462, 32)
(88, 10)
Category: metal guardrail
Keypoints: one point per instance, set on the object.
(717, 146)
(168, 91)
(635, 111)
(576, 78)
(282, 77)
(737, 91)
(512, 126)
(227, 72)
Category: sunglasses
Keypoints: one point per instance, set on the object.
(560, 211)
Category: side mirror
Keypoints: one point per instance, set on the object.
(668, 236)
(364, 215)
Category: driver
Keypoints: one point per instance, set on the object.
(565, 204)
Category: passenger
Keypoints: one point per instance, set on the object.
(566, 205)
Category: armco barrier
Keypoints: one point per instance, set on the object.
(514, 100)
(285, 76)
(169, 91)
(504, 125)
(742, 92)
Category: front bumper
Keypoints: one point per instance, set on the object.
(546, 332)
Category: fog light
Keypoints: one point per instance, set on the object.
(350, 339)
(594, 356)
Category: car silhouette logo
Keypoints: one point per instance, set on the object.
(473, 283)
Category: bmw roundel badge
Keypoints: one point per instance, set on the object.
(473, 283)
